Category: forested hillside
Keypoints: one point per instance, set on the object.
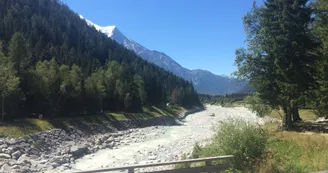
(53, 63)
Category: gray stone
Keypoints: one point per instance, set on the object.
(66, 165)
(54, 165)
(79, 151)
(24, 159)
(33, 151)
(6, 168)
(12, 141)
(98, 141)
(72, 160)
(3, 146)
(110, 139)
(16, 154)
(4, 156)
(59, 160)
(151, 158)
(65, 150)
(15, 167)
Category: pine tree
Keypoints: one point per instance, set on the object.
(8, 81)
(18, 53)
(278, 61)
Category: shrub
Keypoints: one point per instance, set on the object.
(247, 141)
(184, 165)
(257, 105)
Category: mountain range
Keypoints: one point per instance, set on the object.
(204, 81)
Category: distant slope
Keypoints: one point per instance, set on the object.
(204, 81)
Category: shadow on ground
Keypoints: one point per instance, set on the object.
(311, 126)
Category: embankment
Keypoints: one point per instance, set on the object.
(48, 150)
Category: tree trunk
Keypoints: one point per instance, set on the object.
(287, 117)
(295, 113)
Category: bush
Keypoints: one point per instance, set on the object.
(247, 141)
(257, 105)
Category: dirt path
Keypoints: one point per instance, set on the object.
(167, 143)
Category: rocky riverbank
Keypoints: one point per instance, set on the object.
(48, 150)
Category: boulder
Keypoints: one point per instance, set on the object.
(109, 140)
(151, 158)
(65, 150)
(3, 146)
(6, 168)
(59, 160)
(15, 167)
(79, 151)
(4, 156)
(16, 154)
(98, 141)
(55, 165)
(24, 159)
(12, 141)
(33, 151)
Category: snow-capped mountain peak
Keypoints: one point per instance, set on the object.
(204, 81)
(108, 30)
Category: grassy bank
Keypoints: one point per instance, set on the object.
(296, 152)
(305, 114)
(290, 151)
(283, 151)
(23, 127)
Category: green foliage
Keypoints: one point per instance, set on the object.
(279, 61)
(222, 100)
(257, 105)
(245, 140)
(295, 152)
(196, 152)
(320, 30)
(55, 84)
(8, 82)
(65, 67)
(185, 165)
(18, 52)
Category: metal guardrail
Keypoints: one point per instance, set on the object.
(208, 168)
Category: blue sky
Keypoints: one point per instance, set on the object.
(198, 34)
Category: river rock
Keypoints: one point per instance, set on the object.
(79, 151)
(11, 141)
(59, 160)
(151, 158)
(24, 159)
(16, 154)
(33, 151)
(6, 168)
(4, 156)
(3, 146)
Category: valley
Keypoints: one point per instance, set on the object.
(163, 143)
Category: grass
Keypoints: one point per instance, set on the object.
(305, 114)
(24, 127)
(290, 151)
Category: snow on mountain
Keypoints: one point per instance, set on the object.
(108, 30)
(204, 81)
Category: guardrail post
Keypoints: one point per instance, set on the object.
(208, 163)
(131, 170)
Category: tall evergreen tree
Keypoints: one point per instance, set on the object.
(8, 82)
(279, 61)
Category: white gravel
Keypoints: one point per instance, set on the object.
(163, 143)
